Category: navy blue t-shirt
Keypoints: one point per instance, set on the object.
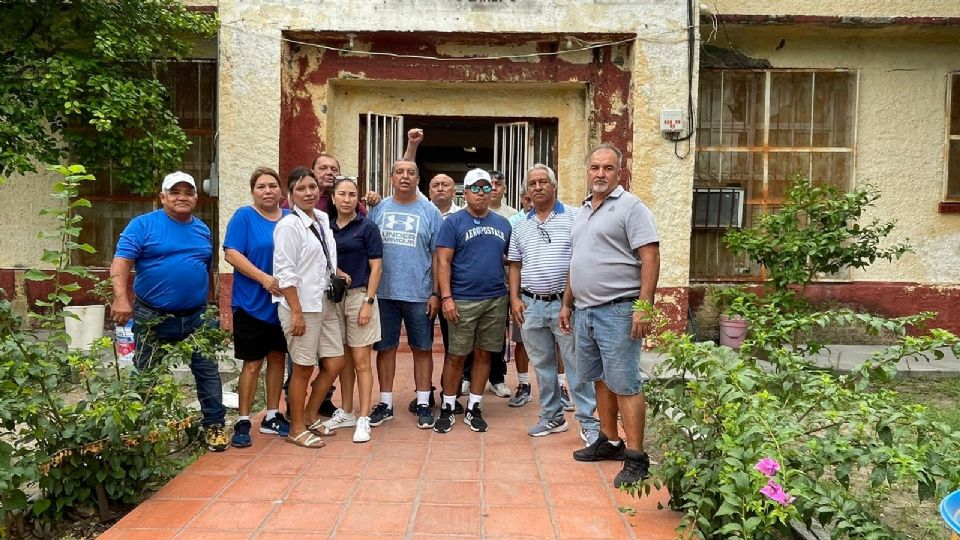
(172, 260)
(357, 243)
(479, 245)
(252, 235)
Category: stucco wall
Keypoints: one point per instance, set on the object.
(846, 8)
(901, 126)
(21, 221)
(250, 66)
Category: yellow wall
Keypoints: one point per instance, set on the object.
(845, 8)
(900, 126)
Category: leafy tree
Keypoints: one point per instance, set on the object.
(81, 76)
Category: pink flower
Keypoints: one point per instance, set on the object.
(775, 492)
(767, 466)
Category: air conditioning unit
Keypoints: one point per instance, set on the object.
(717, 208)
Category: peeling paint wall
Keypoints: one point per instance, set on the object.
(254, 60)
(901, 123)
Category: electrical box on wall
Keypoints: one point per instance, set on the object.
(671, 121)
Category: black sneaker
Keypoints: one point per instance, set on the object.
(425, 418)
(381, 413)
(445, 423)
(474, 419)
(413, 403)
(241, 435)
(601, 450)
(327, 408)
(278, 425)
(457, 407)
(636, 467)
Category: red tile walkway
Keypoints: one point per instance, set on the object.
(406, 483)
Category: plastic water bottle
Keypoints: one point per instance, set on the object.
(125, 344)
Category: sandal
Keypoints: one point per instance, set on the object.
(320, 430)
(306, 440)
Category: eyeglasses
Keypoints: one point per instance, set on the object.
(339, 178)
(477, 189)
(543, 233)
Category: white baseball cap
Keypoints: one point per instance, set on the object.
(175, 178)
(475, 175)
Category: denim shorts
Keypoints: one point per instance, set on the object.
(605, 350)
(413, 315)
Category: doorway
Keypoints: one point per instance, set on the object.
(452, 145)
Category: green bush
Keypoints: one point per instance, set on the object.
(74, 433)
(836, 442)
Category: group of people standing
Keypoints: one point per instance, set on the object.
(327, 280)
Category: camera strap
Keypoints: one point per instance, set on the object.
(326, 252)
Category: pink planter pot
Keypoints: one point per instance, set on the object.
(733, 330)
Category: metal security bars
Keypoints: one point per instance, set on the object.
(385, 138)
(513, 155)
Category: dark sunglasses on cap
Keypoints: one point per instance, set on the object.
(477, 189)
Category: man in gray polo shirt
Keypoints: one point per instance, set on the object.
(615, 261)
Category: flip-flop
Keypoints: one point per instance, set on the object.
(306, 440)
(320, 430)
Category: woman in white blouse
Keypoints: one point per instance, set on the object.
(304, 256)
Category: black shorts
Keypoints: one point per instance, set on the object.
(254, 339)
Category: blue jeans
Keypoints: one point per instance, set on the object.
(172, 329)
(541, 336)
(605, 350)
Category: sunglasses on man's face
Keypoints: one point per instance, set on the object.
(477, 189)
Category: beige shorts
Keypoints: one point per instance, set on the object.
(482, 325)
(348, 311)
(321, 339)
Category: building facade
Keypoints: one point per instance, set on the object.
(842, 92)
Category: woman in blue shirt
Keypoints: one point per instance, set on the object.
(360, 258)
(248, 247)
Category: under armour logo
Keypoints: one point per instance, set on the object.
(404, 222)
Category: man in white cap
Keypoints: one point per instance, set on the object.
(171, 250)
(473, 294)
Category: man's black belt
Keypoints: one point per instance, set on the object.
(543, 297)
(620, 300)
(178, 313)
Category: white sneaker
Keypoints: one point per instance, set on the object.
(341, 419)
(362, 433)
(500, 389)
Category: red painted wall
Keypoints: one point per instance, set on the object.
(299, 143)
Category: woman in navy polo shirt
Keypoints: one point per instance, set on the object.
(248, 247)
(360, 257)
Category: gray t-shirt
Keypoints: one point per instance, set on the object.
(603, 265)
(409, 233)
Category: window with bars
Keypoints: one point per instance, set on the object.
(756, 130)
(952, 190)
(192, 88)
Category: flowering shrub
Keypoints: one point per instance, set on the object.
(759, 438)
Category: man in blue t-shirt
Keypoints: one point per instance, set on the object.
(409, 225)
(171, 250)
(473, 293)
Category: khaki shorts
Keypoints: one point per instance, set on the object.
(321, 340)
(482, 325)
(353, 334)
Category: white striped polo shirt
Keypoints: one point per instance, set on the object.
(544, 263)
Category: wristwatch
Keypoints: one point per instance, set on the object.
(368, 299)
